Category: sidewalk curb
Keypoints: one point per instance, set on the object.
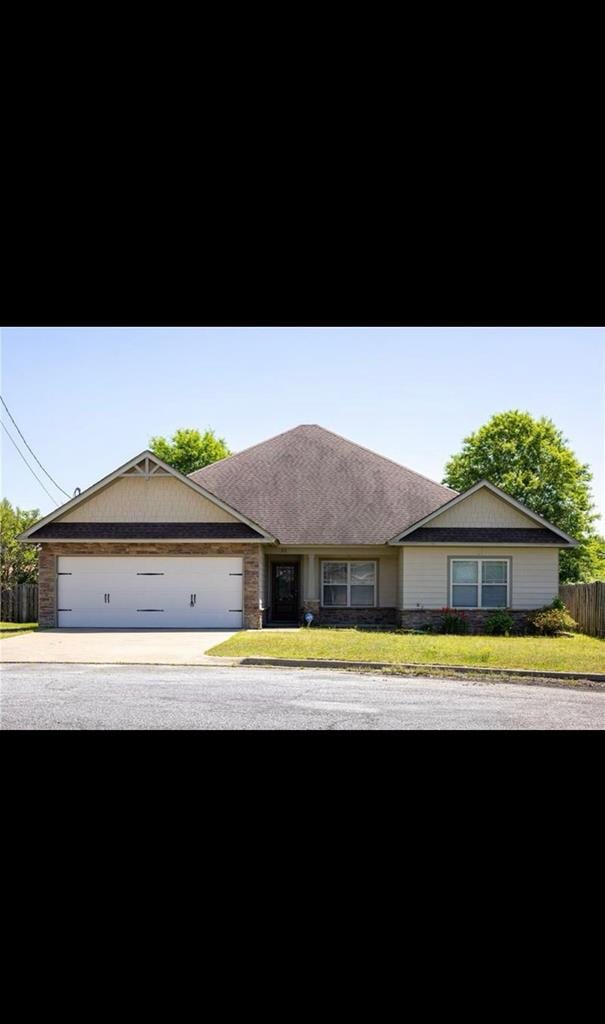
(522, 673)
(392, 667)
(201, 662)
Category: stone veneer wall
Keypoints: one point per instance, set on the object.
(351, 616)
(47, 582)
(417, 619)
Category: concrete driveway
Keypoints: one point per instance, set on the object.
(113, 647)
(209, 697)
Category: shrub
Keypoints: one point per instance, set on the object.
(453, 622)
(499, 624)
(552, 622)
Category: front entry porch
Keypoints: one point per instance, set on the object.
(295, 583)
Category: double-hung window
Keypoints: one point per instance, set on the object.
(480, 583)
(348, 584)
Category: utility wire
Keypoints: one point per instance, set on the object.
(29, 467)
(33, 453)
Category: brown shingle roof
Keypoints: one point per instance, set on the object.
(483, 535)
(145, 531)
(310, 486)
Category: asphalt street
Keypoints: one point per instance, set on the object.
(172, 697)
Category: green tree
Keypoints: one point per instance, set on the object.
(18, 562)
(589, 566)
(189, 450)
(532, 461)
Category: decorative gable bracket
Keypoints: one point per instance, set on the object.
(147, 468)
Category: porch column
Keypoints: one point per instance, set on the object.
(400, 586)
(311, 601)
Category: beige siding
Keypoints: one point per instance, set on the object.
(160, 499)
(535, 574)
(484, 508)
(388, 568)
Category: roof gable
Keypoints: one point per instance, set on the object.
(482, 506)
(311, 486)
(136, 499)
(143, 467)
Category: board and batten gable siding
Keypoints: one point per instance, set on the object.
(535, 574)
(484, 508)
(160, 499)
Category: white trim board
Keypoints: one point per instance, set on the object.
(146, 456)
(466, 494)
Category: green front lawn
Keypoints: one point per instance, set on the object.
(8, 629)
(562, 654)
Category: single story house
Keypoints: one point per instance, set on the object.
(306, 521)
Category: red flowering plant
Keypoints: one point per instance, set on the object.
(453, 621)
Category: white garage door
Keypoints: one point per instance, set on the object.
(150, 593)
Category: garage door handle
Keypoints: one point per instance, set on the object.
(192, 600)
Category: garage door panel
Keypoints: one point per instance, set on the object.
(151, 592)
(89, 590)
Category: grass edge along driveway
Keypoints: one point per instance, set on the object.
(560, 654)
(8, 629)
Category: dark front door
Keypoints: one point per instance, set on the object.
(284, 592)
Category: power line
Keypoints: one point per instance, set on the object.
(28, 465)
(33, 453)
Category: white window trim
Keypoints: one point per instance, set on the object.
(479, 584)
(348, 562)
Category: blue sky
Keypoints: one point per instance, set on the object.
(88, 399)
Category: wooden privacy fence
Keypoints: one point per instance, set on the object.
(20, 603)
(586, 603)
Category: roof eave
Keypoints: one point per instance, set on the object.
(483, 544)
(146, 540)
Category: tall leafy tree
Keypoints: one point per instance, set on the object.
(189, 450)
(532, 461)
(590, 563)
(18, 562)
